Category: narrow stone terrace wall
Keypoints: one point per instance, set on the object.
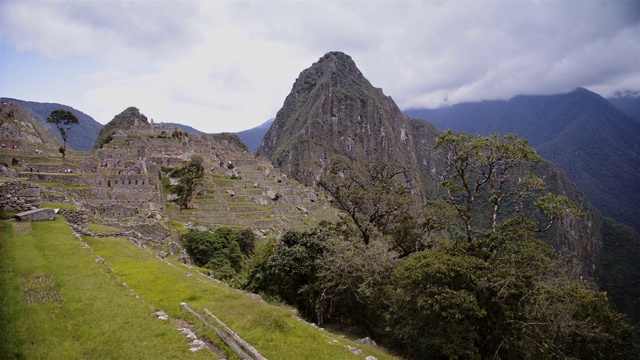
(20, 196)
(77, 219)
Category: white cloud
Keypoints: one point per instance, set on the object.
(227, 66)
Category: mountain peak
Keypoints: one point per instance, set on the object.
(333, 110)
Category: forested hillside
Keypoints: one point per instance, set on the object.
(595, 143)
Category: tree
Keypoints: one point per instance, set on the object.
(488, 172)
(189, 175)
(373, 194)
(63, 120)
(505, 295)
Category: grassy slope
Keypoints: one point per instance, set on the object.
(274, 331)
(93, 315)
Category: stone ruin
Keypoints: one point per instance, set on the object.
(19, 196)
(121, 184)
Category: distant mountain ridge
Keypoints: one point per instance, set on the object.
(593, 141)
(253, 137)
(628, 102)
(81, 137)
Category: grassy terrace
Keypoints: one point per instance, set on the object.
(57, 302)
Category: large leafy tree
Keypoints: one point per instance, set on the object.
(373, 194)
(64, 120)
(502, 293)
(486, 182)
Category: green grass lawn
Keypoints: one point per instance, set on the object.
(57, 302)
(103, 229)
(61, 206)
(273, 330)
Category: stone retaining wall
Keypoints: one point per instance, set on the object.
(20, 196)
(77, 219)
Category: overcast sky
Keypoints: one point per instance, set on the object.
(228, 66)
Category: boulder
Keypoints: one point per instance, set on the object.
(42, 214)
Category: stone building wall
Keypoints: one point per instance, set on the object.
(20, 196)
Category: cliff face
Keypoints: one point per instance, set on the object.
(334, 110)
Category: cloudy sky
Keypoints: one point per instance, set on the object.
(228, 66)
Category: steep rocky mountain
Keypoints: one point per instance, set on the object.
(595, 143)
(253, 137)
(334, 110)
(81, 137)
(127, 119)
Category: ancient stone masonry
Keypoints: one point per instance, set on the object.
(20, 196)
(77, 219)
(121, 185)
(42, 214)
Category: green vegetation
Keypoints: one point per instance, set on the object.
(190, 174)
(273, 330)
(124, 120)
(476, 282)
(103, 229)
(64, 120)
(57, 302)
(61, 206)
(6, 215)
(224, 251)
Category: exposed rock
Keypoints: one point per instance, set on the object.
(43, 214)
(20, 196)
(261, 201)
(273, 195)
(231, 192)
(354, 350)
(7, 172)
(366, 341)
(303, 209)
(161, 315)
(197, 345)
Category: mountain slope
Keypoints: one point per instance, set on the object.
(81, 137)
(596, 144)
(628, 102)
(333, 110)
(125, 120)
(253, 137)
(18, 128)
